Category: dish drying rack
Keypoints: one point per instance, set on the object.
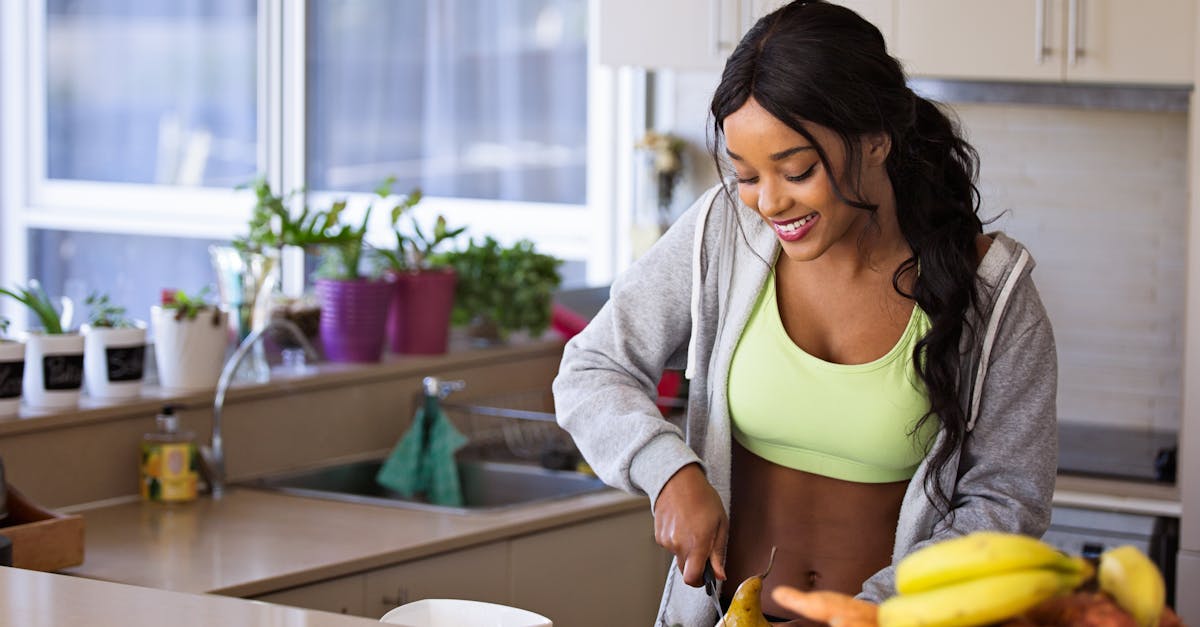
(522, 423)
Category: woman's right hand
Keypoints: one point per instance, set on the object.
(690, 522)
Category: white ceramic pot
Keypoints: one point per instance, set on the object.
(189, 353)
(53, 370)
(12, 370)
(114, 361)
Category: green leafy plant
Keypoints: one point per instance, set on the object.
(4, 322)
(341, 255)
(416, 251)
(104, 313)
(190, 306)
(510, 287)
(273, 225)
(35, 298)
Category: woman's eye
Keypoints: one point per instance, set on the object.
(748, 180)
(807, 173)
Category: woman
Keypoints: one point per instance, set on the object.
(869, 372)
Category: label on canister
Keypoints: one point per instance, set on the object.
(169, 472)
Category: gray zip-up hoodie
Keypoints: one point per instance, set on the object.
(684, 305)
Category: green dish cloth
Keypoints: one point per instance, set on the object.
(423, 461)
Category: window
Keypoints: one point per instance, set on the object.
(136, 120)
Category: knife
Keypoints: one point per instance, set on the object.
(710, 588)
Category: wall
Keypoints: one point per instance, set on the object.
(1100, 198)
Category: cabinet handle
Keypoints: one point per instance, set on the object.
(1040, 49)
(718, 44)
(1074, 31)
(400, 599)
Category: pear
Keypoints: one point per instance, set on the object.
(745, 610)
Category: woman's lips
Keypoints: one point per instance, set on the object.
(794, 230)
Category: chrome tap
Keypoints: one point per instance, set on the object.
(214, 454)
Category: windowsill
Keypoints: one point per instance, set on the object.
(317, 376)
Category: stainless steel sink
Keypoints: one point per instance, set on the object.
(486, 485)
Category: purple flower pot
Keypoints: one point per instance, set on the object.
(353, 318)
(419, 317)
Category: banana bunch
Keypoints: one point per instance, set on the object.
(1134, 582)
(980, 578)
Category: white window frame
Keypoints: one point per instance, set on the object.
(29, 200)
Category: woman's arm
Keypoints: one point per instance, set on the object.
(604, 393)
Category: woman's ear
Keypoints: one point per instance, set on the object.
(876, 147)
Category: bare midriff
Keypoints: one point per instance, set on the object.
(829, 534)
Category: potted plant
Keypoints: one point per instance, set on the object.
(12, 370)
(419, 315)
(190, 339)
(353, 306)
(502, 289)
(114, 350)
(53, 375)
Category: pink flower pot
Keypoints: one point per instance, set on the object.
(419, 317)
(353, 318)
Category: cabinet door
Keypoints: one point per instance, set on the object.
(595, 574)
(343, 595)
(478, 574)
(1118, 41)
(680, 34)
(881, 13)
(983, 39)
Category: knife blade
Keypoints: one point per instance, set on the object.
(710, 588)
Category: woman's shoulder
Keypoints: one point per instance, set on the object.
(982, 244)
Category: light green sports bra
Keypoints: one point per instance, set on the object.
(849, 422)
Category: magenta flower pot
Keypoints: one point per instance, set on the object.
(353, 318)
(419, 316)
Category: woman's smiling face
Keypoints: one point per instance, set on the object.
(781, 176)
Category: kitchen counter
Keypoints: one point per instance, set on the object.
(252, 542)
(33, 599)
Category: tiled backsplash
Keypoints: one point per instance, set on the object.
(1100, 198)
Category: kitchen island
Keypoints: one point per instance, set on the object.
(35, 599)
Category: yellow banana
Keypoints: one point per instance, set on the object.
(977, 554)
(976, 601)
(1134, 582)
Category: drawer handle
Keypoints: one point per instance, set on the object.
(401, 598)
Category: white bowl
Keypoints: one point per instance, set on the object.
(461, 613)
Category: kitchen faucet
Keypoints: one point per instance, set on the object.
(214, 455)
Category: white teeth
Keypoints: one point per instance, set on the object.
(793, 226)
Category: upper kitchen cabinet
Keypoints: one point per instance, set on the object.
(1108, 41)
(694, 35)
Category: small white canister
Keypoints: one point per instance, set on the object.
(114, 361)
(53, 370)
(12, 372)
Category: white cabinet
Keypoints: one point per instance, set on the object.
(694, 34)
(340, 596)
(595, 574)
(1112, 41)
(598, 572)
(479, 573)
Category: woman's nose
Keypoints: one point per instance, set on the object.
(771, 199)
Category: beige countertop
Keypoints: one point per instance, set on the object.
(33, 599)
(252, 542)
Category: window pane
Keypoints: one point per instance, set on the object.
(464, 98)
(132, 270)
(145, 91)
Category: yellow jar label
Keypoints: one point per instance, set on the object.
(169, 472)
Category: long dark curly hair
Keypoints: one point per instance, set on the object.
(811, 61)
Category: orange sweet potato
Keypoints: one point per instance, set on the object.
(833, 608)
